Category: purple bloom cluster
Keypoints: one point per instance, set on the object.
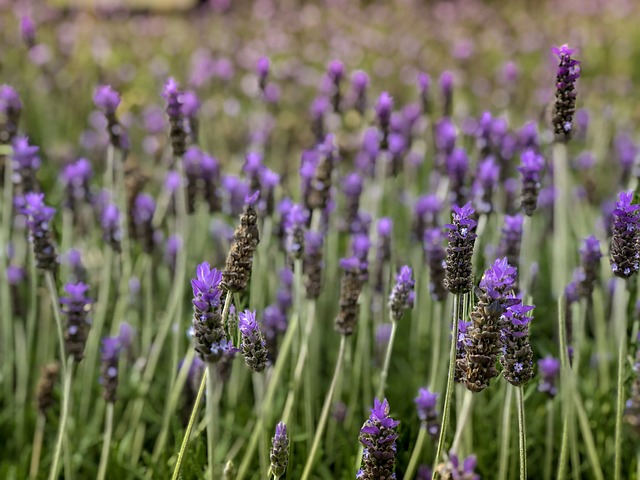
(453, 469)
(530, 168)
(107, 100)
(253, 345)
(144, 207)
(568, 73)
(209, 336)
(203, 176)
(279, 454)
(359, 84)
(461, 238)
(76, 307)
(511, 239)
(75, 177)
(435, 255)
(517, 356)
(295, 226)
(109, 354)
(383, 109)
(484, 185)
(550, 371)
(626, 236)
(426, 402)
(177, 133)
(590, 256)
(401, 297)
(25, 164)
(378, 436)
(10, 110)
(39, 217)
(110, 222)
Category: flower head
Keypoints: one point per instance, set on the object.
(106, 99)
(279, 451)
(253, 345)
(378, 436)
(400, 298)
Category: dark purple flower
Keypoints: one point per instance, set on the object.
(528, 137)
(39, 216)
(517, 356)
(445, 137)
(426, 212)
(25, 163)
(110, 222)
(484, 185)
(457, 164)
(253, 345)
(426, 402)
(209, 336)
(28, 31)
(15, 274)
(313, 263)
(626, 235)
(567, 74)
(550, 371)
(383, 109)
(75, 177)
(236, 191)
(279, 454)
(106, 99)
(76, 307)
(399, 299)
(263, 65)
(446, 87)
(424, 86)
(590, 255)
(461, 239)
(359, 84)
(295, 224)
(355, 271)
(10, 110)
(453, 470)
(530, 169)
(511, 239)
(109, 354)
(177, 133)
(378, 436)
(318, 110)
(190, 104)
(144, 207)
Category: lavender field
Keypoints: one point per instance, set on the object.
(320, 240)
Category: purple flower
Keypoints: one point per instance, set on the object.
(383, 109)
(39, 216)
(446, 87)
(426, 212)
(550, 371)
(359, 84)
(109, 355)
(110, 222)
(426, 402)
(25, 162)
(626, 235)
(457, 164)
(511, 239)
(435, 255)
(144, 207)
(177, 133)
(28, 30)
(461, 240)
(590, 255)
(528, 137)
(498, 279)
(295, 224)
(190, 104)
(209, 335)
(378, 436)
(445, 137)
(279, 454)
(517, 358)
(567, 74)
(253, 345)
(399, 300)
(263, 65)
(453, 470)
(484, 185)
(76, 306)
(106, 99)
(15, 274)
(236, 191)
(626, 152)
(530, 169)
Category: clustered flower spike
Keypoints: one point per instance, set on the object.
(550, 371)
(110, 354)
(590, 256)
(110, 222)
(25, 164)
(383, 251)
(350, 287)
(453, 470)
(401, 295)
(253, 346)
(245, 241)
(39, 217)
(435, 255)
(530, 168)
(626, 236)
(318, 197)
(313, 263)
(383, 112)
(295, 227)
(426, 402)
(209, 336)
(482, 341)
(359, 84)
(279, 455)
(517, 356)
(177, 133)
(46, 384)
(76, 177)
(568, 73)
(107, 100)
(76, 307)
(10, 110)
(144, 207)
(378, 436)
(511, 239)
(461, 239)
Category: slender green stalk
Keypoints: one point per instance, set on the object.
(417, 452)
(147, 326)
(106, 444)
(37, 446)
(566, 389)
(522, 434)
(387, 360)
(462, 419)
(587, 436)
(212, 417)
(51, 285)
(308, 468)
(5, 293)
(66, 400)
(620, 307)
(187, 433)
(505, 439)
(561, 211)
(548, 457)
(457, 302)
(436, 343)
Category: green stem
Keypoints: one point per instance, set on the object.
(37, 446)
(561, 211)
(387, 361)
(505, 439)
(457, 301)
(5, 293)
(585, 429)
(212, 416)
(548, 458)
(53, 474)
(51, 285)
(462, 420)
(436, 343)
(417, 451)
(147, 326)
(620, 307)
(324, 415)
(187, 433)
(565, 380)
(106, 444)
(522, 434)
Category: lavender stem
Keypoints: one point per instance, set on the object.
(548, 459)
(619, 306)
(505, 439)
(462, 419)
(51, 285)
(62, 428)
(387, 360)
(417, 451)
(37, 446)
(522, 435)
(106, 444)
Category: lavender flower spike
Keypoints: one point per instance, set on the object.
(76, 306)
(426, 405)
(452, 469)
(378, 436)
(550, 370)
(530, 169)
(400, 298)
(511, 239)
(517, 358)
(383, 112)
(568, 73)
(110, 353)
(39, 217)
(177, 133)
(626, 235)
(107, 101)
(462, 237)
(590, 255)
(10, 109)
(253, 345)
(350, 288)
(209, 336)
(279, 451)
